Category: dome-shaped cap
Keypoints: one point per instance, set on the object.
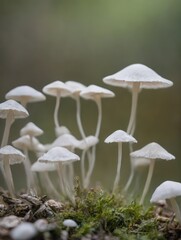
(31, 129)
(120, 136)
(12, 106)
(25, 94)
(137, 73)
(57, 87)
(152, 151)
(11, 154)
(58, 154)
(166, 190)
(93, 91)
(25, 142)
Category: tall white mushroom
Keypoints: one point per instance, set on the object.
(96, 94)
(168, 191)
(58, 156)
(9, 156)
(152, 151)
(57, 89)
(25, 94)
(10, 110)
(136, 77)
(119, 137)
(76, 89)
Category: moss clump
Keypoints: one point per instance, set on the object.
(96, 211)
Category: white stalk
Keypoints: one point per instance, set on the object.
(60, 174)
(9, 177)
(50, 185)
(57, 105)
(78, 117)
(116, 181)
(92, 162)
(9, 121)
(83, 167)
(148, 180)
(176, 209)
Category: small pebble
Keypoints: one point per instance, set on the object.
(10, 221)
(24, 231)
(64, 235)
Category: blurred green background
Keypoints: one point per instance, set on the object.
(43, 40)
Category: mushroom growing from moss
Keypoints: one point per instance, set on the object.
(119, 137)
(168, 191)
(152, 151)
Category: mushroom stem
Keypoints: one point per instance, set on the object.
(83, 167)
(92, 162)
(176, 209)
(135, 91)
(56, 110)
(29, 174)
(78, 117)
(60, 174)
(9, 177)
(130, 179)
(148, 180)
(116, 182)
(9, 121)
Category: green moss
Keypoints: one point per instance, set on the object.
(97, 211)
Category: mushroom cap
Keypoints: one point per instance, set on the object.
(137, 73)
(12, 106)
(166, 190)
(42, 167)
(76, 87)
(120, 136)
(31, 129)
(58, 154)
(93, 91)
(57, 87)
(87, 142)
(12, 154)
(25, 92)
(69, 223)
(60, 130)
(65, 140)
(152, 151)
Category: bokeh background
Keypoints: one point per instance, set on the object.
(43, 40)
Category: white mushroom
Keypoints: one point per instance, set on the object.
(96, 93)
(24, 231)
(151, 151)
(57, 89)
(119, 137)
(136, 77)
(11, 110)
(69, 223)
(9, 156)
(58, 156)
(168, 190)
(25, 94)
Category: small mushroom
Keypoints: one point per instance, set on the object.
(57, 89)
(119, 137)
(25, 94)
(168, 191)
(152, 151)
(9, 156)
(96, 93)
(58, 156)
(10, 110)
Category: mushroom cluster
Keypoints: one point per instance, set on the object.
(51, 165)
